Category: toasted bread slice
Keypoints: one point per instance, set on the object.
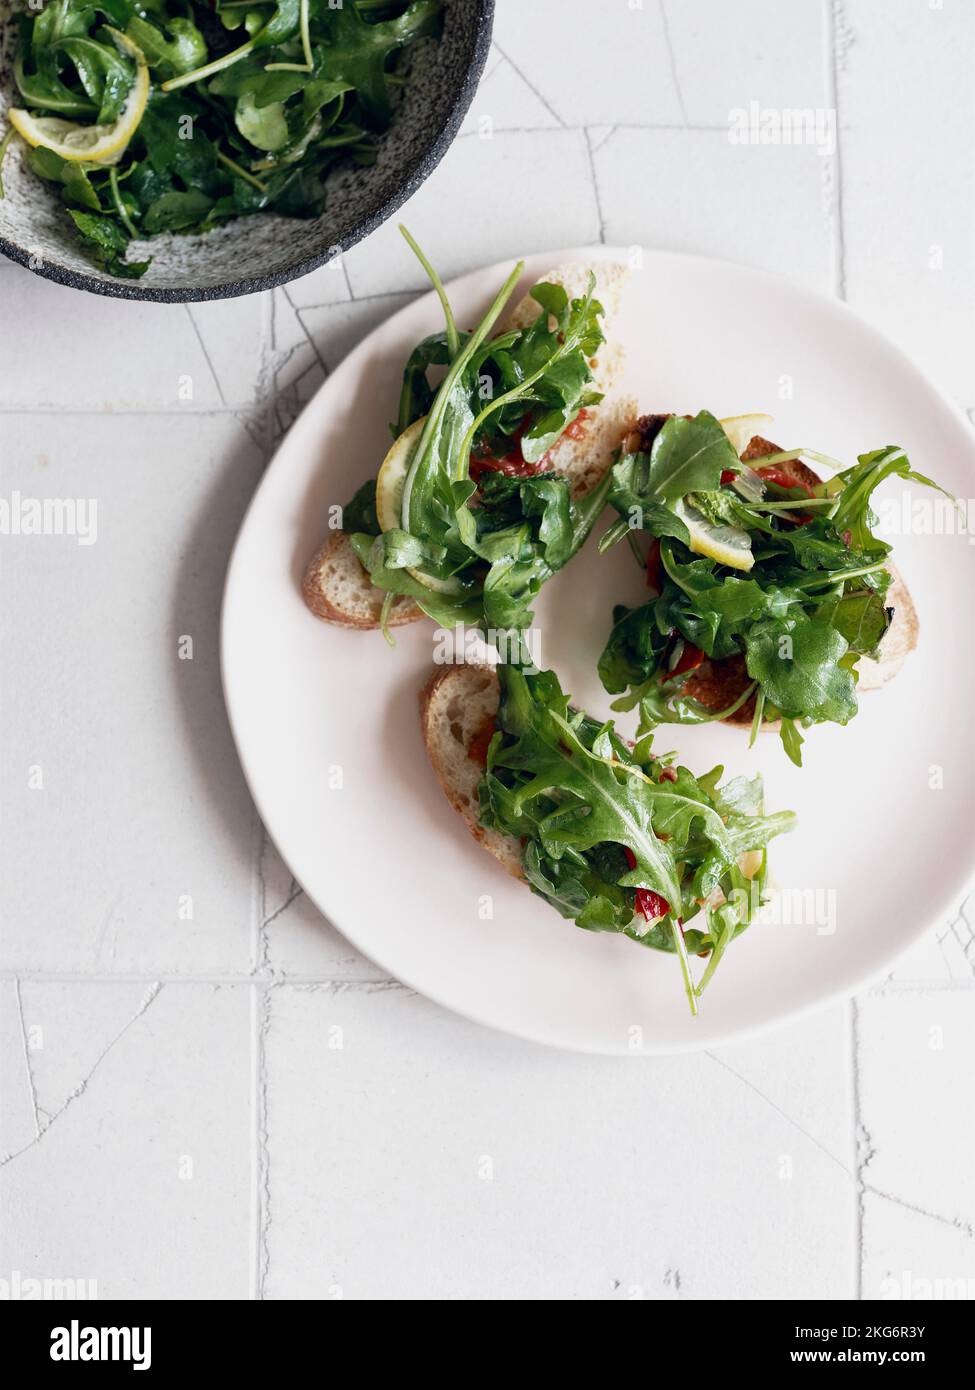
(338, 590)
(717, 684)
(331, 589)
(458, 710)
(585, 459)
(458, 707)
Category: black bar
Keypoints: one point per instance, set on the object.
(891, 1337)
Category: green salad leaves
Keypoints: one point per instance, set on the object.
(249, 107)
(773, 579)
(470, 522)
(618, 839)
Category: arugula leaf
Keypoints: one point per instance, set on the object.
(633, 498)
(447, 610)
(171, 43)
(792, 740)
(78, 188)
(813, 602)
(107, 244)
(43, 88)
(545, 499)
(175, 212)
(104, 74)
(687, 456)
(861, 617)
(359, 50)
(593, 804)
(634, 650)
(603, 831)
(359, 515)
(742, 796)
(796, 660)
(577, 891)
(417, 395)
(265, 127)
(548, 365)
(65, 18)
(177, 146)
(856, 485)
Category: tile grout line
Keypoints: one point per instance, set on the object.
(832, 18)
(304, 328)
(858, 1164)
(595, 187)
(254, 1279)
(30, 1072)
(259, 1215)
(652, 128)
(258, 901)
(672, 58)
(956, 1223)
(258, 994)
(263, 978)
(206, 354)
(531, 86)
(343, 262)
(135, 412)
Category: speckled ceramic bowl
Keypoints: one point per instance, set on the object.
(255, 253)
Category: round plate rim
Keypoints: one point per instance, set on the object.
(862, 979)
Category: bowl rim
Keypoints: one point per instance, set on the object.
(231, 289)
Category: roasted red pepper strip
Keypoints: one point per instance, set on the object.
(649, 903)
(512, 464)
(691, 658)
(782, 476)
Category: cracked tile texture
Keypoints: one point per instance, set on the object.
(206, 1091)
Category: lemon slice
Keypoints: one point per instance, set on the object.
(729, 545)
(90, 144)
(392, 477)
(750, 863)
(389, 499)
(742, 429)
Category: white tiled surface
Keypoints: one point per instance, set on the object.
(206, 1091)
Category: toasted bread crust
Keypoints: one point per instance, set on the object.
(335, 571)
(454, 704)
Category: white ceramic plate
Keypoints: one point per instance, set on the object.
(885, 842)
